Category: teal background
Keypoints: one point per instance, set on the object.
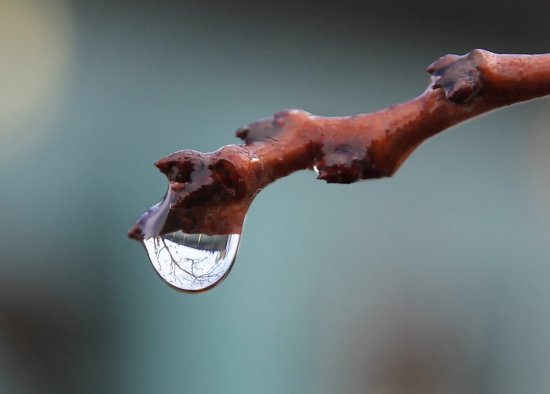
(434, 281)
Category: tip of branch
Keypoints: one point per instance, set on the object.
(135, 233)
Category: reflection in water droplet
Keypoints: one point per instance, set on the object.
(188, 262)
(192, 262)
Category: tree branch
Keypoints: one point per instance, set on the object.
(210, 192)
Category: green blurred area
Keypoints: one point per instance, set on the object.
(434, 281)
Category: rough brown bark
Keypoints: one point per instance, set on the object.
(212, 191)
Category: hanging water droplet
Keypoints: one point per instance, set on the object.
(188, 262)
(192, 262)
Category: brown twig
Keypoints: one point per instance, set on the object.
(210, 193)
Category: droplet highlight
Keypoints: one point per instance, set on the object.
(192, 262)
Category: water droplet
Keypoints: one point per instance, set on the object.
(192, 262)
(188, 262)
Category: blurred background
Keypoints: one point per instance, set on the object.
(434, 281)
